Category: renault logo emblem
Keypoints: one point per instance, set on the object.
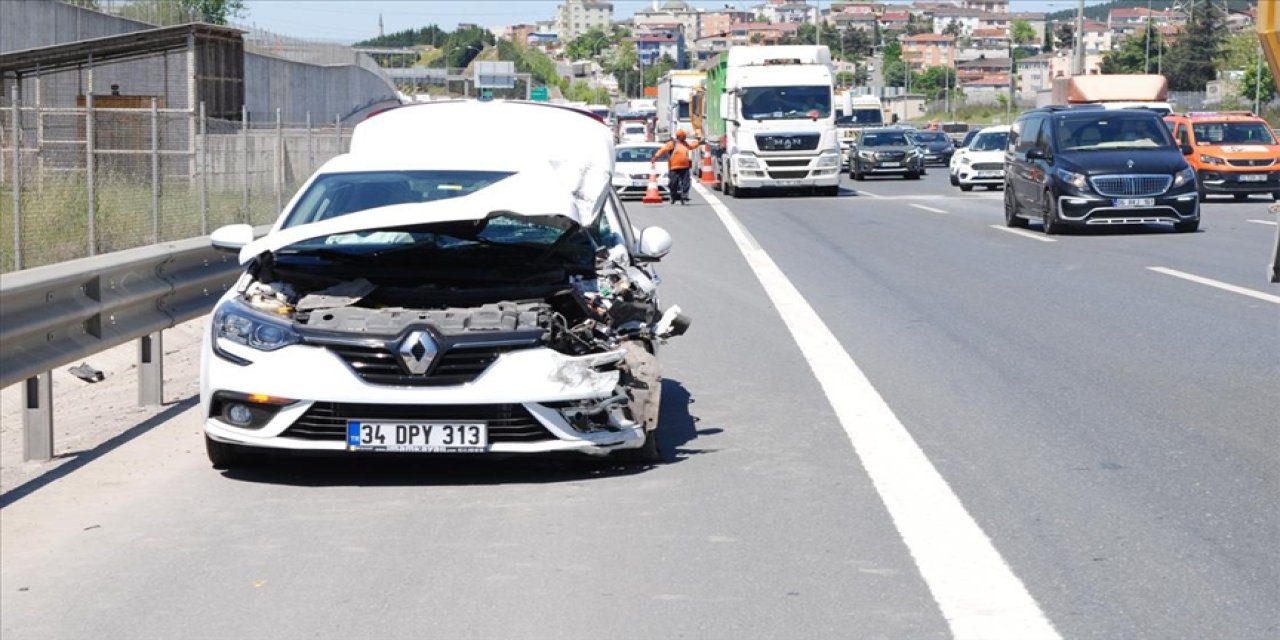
(418, 351)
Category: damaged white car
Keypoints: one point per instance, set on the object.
(419, 295)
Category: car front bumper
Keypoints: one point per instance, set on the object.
(965, 175)
(519, 397)
(872, 167)
(637, 188)
(1236, 182)
(1093, 209)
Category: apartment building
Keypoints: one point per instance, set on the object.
(925, 50)
(576, 17)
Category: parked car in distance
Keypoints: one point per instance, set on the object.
(1076, 166)
(982, 162)
(422, 295)
(1233, 152)
(886, 151)
(934, 145)
(631, 169)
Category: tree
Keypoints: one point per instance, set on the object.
(1191, 62)
(1256, 73)
(1135, 55)
(1065, 35)
(588, 45)
(895, 73)
(1047, 45)
(845, 79)
(214, 11)
(1022, 32)
(952, 28)
(934, 81)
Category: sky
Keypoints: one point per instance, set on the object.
(352, 20)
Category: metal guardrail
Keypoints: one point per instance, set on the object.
(52, 316)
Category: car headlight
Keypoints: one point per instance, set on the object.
(1072, 178)
(965, 160)
(1183, 177)
(242, 325)
(618, 175)
(748, 161)
(911, 153)
(867, 155)
(1211, 159)
(829, 159)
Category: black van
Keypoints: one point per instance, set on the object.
(1076, 166)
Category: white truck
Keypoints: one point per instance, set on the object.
(773, 119)
(856, 112)
(675, 91)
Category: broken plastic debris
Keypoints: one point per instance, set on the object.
(87, 373)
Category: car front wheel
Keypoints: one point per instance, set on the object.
(1052, 225)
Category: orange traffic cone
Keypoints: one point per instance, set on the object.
(651, 194)
(708, 176)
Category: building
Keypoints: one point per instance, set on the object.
(925, 50)
(857, 6)
(717, 22)
(984, 90)
(989, 6)
(1004, 21)
(970, 70)
(1036, 73)
(894, 20)
(966, 20)
(1126, 22)
(984, 43)
(1097, 37)
(846, 20)
(672, 12)
(520, 32)
(760, 32)
(787, 11)
(652, 47)
(576, 17)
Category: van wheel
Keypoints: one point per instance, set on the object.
(729, 189)
(1275, 196)
(1052, 225)
(1011, 217)
(955, 182)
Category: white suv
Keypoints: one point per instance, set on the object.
(454, 284)
(982, 162)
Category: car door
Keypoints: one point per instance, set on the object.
(1026, 185)
(1042, 168)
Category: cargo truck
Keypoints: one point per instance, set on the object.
(856, 112)
(1115, 91)
(770, 119)
(675, 93)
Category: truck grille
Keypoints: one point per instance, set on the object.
(787, 142)
(1129, 186)
(506, 422)
(1260, 162)
(803, 162)
(789, 175)
(988, 166)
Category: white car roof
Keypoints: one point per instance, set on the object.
(562, 161)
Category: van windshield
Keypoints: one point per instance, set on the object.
(1232, 133)
(786, 103)
(1112, 131)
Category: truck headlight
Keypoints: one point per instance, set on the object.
(1183, 177)
(748, 161)
(1072, 178)
(237, 323)
(827, 160)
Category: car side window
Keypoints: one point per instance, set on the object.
(1182, 134)
(1043, 139)
(1030, 135)
(1014, 134)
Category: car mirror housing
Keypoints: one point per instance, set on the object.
(1186, 149)
(232, 237)
(1036, 154)
(653, 244)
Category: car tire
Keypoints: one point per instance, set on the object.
(1275, 196)
(955, 182)
(992, 187)
(829, 192)
(1011, 217)
(223, 456)
(1052, 225)
(645, 403)
(914, 175)
(728, 188)
(1190, 226)
(1240, 197)
(966, 187)
(1204, 197)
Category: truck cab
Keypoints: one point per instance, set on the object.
(779, 120)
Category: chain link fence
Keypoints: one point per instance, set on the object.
(118, 172)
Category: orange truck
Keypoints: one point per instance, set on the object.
(1269, 32)
(1233, 152)
(1115, 91)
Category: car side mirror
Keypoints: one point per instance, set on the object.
(653, 244)
(1036, 154)
(231, 238)
(1187, 150)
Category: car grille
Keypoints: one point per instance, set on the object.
(892, 156)
(794, 142)
(1129, 186)
(457, 365)
(804, 162)
(1261, 162)
(788, 175)
(506, 422)
(988, 166)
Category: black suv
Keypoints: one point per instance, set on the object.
(1095, 166)
(885, 150)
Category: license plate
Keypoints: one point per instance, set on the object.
(890, 165)
(423, 437)
(789, 183)
(639, 183)
(1134, 202)
(988, 174)
(1253, 177)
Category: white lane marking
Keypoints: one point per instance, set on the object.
(928, 208)
(975, 589)
(867, 193)
(1023, 232)
(1265, 297)
(1270, 222)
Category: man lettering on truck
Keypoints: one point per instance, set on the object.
(678, 166)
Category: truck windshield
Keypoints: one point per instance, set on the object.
(682, 111)
(1103, 132)
(1232, 133)
(861, 117)
(786, 103)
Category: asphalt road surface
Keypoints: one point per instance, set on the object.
(1069, 437)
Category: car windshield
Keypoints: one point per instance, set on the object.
(1111, 131)
(884, 139)
(1232, 133)
(925, 137)
(862, 117)
(635, 154)
(337, 194)
(536, 235)
(993, 141)
(786, 103)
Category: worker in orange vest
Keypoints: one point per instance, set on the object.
(678, 166)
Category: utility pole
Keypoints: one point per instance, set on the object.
(1257, 82)
(1077, 68)
(1146, 63)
